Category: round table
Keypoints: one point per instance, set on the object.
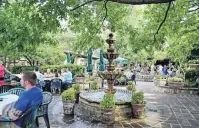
(7, 103)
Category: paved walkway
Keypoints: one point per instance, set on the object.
(163, 111)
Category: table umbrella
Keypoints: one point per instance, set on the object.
(68, 57)
(90, 66)
(101, 66)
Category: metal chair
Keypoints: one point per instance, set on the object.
(56, 83)
(16, 91)
(43, 109)
(5, 88)
(28, 118)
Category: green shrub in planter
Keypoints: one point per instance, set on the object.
(160, 76)
(175, 79)
(191, 75)
(68, 94)
(94, 85)
(108, 101)
(138, 105)
(138, 98)
(131, 86)
(77, 88)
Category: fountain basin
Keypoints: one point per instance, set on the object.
(111, 75)
(110, 55)
(89, 105)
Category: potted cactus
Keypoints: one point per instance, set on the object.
(138, 105)
(77, 88)
(131, 86)
(68, 99)
(108, 109)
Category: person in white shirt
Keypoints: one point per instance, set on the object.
(40, 78)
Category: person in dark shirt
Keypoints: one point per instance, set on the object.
(133, 76)
(28, 99)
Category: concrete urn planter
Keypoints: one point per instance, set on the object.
(108, 116)
(138, 111)
(68, 106)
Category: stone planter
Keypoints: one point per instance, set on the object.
(108, 116)
(161, 82)
(80, 79)
(68, 107)
(176, 84)
(77, 97)
(138, 111)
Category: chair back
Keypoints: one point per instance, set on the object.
(43, 108)
(16, 91)
(29, 117)
(5, 88)
(56, 82)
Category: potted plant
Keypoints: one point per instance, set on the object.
(138, 105)
(94, 85)
(161, 80)
(131, 86)
(68, 99)
(79, 77)
(108, 109)
(77, 88)
(175, 82)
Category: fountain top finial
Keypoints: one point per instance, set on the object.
(110, 35)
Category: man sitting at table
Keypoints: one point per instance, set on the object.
(40, 78)
(28, 99)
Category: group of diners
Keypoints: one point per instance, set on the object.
(53, 81)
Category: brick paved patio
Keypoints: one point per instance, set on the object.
(163, 111)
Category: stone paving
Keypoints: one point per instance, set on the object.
(163, 111)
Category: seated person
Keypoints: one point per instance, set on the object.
(48, 74)
(68, 78)
(28, 99)
(56, 84)
(40, 78)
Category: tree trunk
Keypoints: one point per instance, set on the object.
(138, 2)
(29, 60)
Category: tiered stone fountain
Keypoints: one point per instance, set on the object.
(89, 102)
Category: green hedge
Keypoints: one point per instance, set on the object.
(191, 75)
(77, 70)
(19, 69)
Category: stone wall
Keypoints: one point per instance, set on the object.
(92, 111)
(168, 89)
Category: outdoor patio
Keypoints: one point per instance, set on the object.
(163, 111)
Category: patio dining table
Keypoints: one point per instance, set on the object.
(7, 101)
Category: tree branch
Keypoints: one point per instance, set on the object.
(133, 2)
(194, 10)
(139, 2)
(106, 14)
(81, 5)
(165, 17)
